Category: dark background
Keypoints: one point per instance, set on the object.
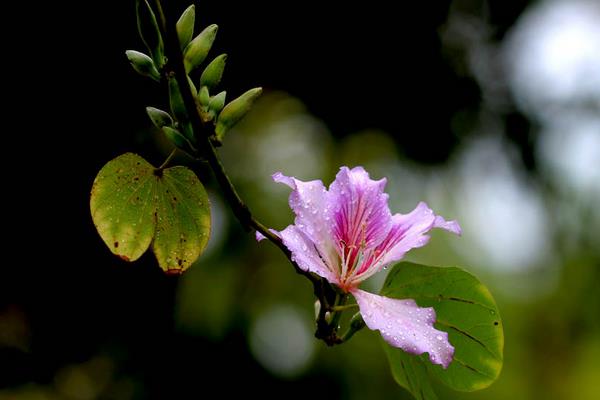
(375, 65)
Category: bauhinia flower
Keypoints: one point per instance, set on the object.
(347, 234)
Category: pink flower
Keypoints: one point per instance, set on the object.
(347, 234)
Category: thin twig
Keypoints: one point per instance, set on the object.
(168, 160)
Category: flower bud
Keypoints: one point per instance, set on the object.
(143, 64)
(198, 49)
(216, 103)
(317, 308)
(192, 87)
(185, 26)
(176, 101)
(204, 96)
(175, 137)
(235, 110)
(149, 32)
(159, 118)
(213, 72)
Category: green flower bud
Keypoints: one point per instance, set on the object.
(175, 137)
(149, 32)
(143, 64)
(198, 49)
(192, 86)
(235, 111)
(176, 101)
(185, 26)
(204, 96)
(357, 322)
(216, 103)
(159, 118)
(213, 72)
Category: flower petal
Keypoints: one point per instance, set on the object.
(405, 325)
(260, 237)
(309, 202)
(305, 254)
(409, 231)
(450, 226)
(361, 213)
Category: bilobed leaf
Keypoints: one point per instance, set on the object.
(466, 310)
(410, 373)
(122, 205)
(133, 205)
(183, 224)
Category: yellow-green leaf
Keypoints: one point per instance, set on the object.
(133, 204)
(183, 224)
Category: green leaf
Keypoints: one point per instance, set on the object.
(185, 26)
(466, 310)
(183, 223)
(134, 204)
(122, 205)
(149, 32)
(410, 373)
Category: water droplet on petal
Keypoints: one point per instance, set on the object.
(439, 337)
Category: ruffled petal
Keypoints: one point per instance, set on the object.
(305, 254)
(450, 226)
(309, 202)
(361, 213)
(405, 325)
(410, 231)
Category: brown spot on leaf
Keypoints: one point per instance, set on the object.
(495, 323)
(174, 271)
(116, 244)
(123, 257)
